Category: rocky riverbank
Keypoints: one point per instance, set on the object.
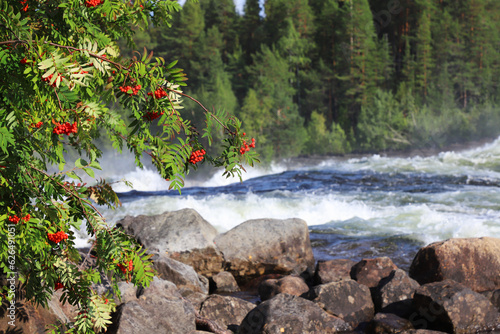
(261, 277)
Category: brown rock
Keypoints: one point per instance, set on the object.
(159, 309)
(292, 315)
(264, 246)
(474, 262)
(394, 293)
(452, 307)
(494, 297)
(333, 271)
(421, 331)
(387, 323)
(347, 300)
(228, 312)
(224, 282)
(370, 271)
(292, 285)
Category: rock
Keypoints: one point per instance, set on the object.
(292, 285)
(182, 275)
(228, 312)
(292, 315)
(184, 235)
(195, 298)
(262, 246)
(387, 323)
(224, 282)
(421, 331)
(494, 297)
(159, 309)
(370, 271)
(394, 293)
(474, 262)
(333, 271)
(452, 307)
(347, 300)
(128, 292)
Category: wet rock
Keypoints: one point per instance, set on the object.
(290, 314)
(452, 307)
(394, 293)
(182, 275)
(370, 271)
(228, 312)
(292, 285)
(387, 323)
(333, 271)
(264, 246)
(347, 300)
(474, 262)
(224, 282)
(159, 309)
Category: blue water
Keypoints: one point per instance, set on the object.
(356, 208)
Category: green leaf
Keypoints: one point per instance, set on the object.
(80, 163)
(89, 171)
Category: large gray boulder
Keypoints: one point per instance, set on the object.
(290, 314)
(451, 307)
(263, 246)
(183, 235)
(474, 262)
(159, 309)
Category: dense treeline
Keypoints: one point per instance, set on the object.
(333, 76)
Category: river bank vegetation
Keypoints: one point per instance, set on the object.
(333, 77)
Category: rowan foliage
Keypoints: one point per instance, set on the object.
(61, 73)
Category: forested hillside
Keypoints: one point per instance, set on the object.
(335, 76)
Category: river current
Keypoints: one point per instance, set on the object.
(355, 208)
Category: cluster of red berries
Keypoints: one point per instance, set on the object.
(197, 156)
(124, 269)
(47, 79)
(37, 125)
(152, 115)
(23, 61)
(65, 128)
(135, 89)
(57, 237)
(93, 3)
(246, 147)
(58, 286)
(159, 93)
(15, 219)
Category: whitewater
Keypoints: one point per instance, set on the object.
(356, 207)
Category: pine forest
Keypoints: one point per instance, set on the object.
(325, 77)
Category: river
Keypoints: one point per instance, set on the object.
(355, 207)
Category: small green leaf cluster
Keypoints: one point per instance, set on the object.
(61, 70)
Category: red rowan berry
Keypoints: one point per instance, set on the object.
(14, 219)
(58, 286)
